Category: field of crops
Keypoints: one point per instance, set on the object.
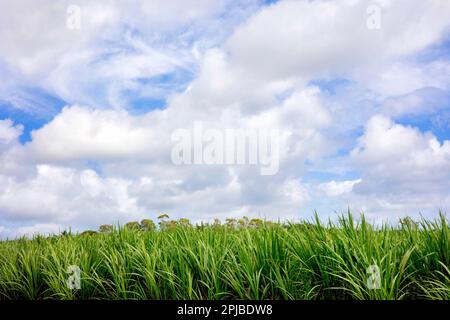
(236, 260)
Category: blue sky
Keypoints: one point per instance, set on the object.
(87, 113)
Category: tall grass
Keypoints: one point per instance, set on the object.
(264, 261)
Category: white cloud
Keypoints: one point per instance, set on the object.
(263, 76)
(9, 133)
(336, 188)
(30, 231)
(117, 44)
(66, 196)
(403, 77)
(400, 160)
(326, 39)
(79, 133)
(294, 192)
(424, 101)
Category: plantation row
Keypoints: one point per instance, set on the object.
(242, 259)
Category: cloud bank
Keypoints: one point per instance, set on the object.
(363, 113)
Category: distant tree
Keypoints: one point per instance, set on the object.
(105, 228)
(88, 233)
(269, 224)
(256, 223)
(230, 222)
(148, 225)
(65, 233)
(134, 225)
(166, 224)
(243, 222)
(200, 226)
(184, 222)
(172, 224)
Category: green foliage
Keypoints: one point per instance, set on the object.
(256, 223)
(148, 225)
(241, 259)
(183, 222)
(168, 225)
(134, 225)
(105, 228)
(88, 233)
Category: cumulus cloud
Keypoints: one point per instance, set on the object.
(9, 133)
(310, 69)
(64, 195)
(336, 188)
(333, 38)
(400, 160)
(30, 231)
(84, 133)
